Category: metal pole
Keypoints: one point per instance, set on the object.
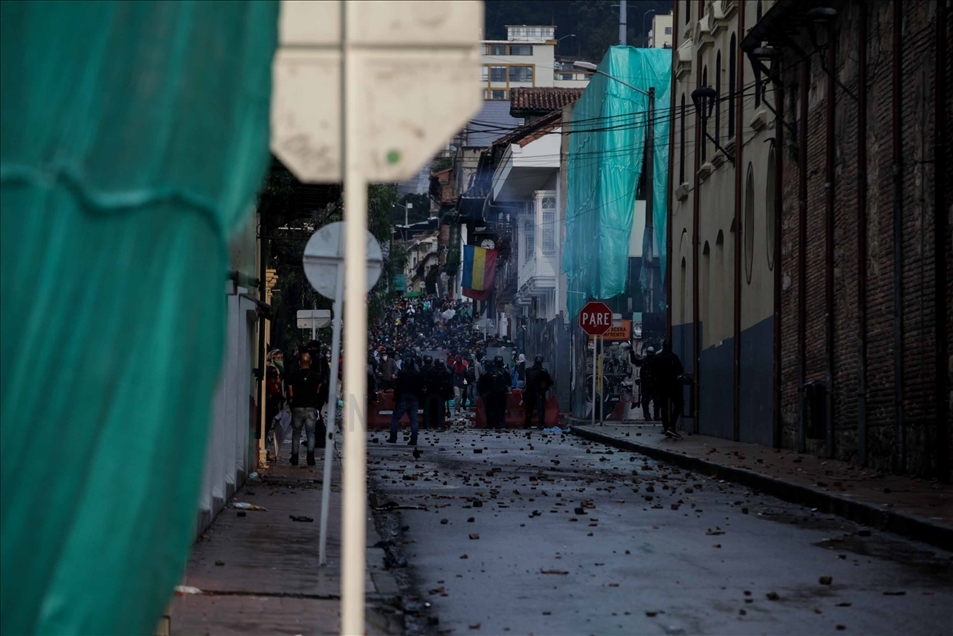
(595, 341)
(332, 415)
(622, 24)
(353, 535)
(602, 372)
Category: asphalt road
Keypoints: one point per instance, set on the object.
(549, 535)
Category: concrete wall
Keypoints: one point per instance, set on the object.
(721, 200)
(230, 454)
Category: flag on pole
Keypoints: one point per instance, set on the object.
(479, 269)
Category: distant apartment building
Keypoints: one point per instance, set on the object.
(525, 59)
(660, 37)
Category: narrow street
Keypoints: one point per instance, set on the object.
(532, 533)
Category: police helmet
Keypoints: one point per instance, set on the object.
(408, 362)
(498, 360)
(650, 351)
(428, 359)
(537, 359)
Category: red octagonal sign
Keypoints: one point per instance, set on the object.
(595, 318)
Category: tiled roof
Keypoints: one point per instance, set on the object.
(536, 101)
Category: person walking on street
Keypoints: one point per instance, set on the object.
(431, 399)
(387, 370)
(443, 385)
(459, 383)
(538, 382)
(494, 385)
(667, 368)
(408, 390)
(520, 371)
(304, 391)
(647, 382)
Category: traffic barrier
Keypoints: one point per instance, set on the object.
(552, 412)
(381, 411)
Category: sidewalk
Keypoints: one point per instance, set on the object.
(918, 508)
(259, 574)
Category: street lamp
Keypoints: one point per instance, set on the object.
(644, 34)
(649, 160)
(704, 99)
(558, 40)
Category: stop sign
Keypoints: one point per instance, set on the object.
(595, 318)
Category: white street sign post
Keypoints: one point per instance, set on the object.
(324, 268)
(313, 319)
(356, 98)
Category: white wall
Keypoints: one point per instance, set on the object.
(229, 456)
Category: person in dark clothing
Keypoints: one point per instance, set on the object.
(647, 382)
(304, 389)
(443, 387)
(408, 390)
(433, 401)
(493, 387)
(538, 381)
(666, 370)
(388, 370)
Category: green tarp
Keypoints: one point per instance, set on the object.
(133, 137)
(606, 149)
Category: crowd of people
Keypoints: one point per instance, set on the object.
(430, 352)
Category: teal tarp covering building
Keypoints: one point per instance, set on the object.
(606, 148)
(133, 138)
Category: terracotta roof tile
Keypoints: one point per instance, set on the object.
(536, 101)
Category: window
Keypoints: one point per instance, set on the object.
(497, 49)
(521, 49)
(495, 94)
(681, 142)
(521, 73)
(769, 193)
(748, 236)
(484, 73)
(498, 74)
(732, 59)
(529, 234)
(718, 98)
(565, 76)
(704, 136)
(668, 30)
(549, 226)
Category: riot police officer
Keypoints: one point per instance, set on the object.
(495, 384)
(538, 382)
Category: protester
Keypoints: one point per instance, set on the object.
(408, 391)
(304, 390)
(666, 371)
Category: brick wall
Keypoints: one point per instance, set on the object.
(919, 369)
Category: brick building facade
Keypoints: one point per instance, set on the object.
(865, 243)
(849, 199)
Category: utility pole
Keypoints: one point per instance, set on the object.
(622, 24)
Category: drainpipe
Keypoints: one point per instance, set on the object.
(260, 371)
(804, 75)
(778, 225)
(900, 453)
(696, 332)
(670, 195)
(829, 240)
(739, 168)
(862, 238)
(941, 230)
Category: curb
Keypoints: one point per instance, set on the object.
(912, 526)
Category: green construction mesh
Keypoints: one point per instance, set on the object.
(133, 137)
(606, 152)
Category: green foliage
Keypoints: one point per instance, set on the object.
(420, 210)
(440, 163)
